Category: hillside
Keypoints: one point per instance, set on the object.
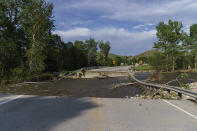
(113, 56)
(146, 53)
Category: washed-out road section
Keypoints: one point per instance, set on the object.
(52, 113)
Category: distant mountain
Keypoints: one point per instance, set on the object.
(146, 53)
(113, 56)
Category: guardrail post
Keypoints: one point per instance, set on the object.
(169, 88)
(180, 95)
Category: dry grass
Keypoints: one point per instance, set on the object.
(156, 76)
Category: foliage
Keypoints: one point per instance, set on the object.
(118, 60)
(104, 52)
(92, 51)
(28, 49)
(193, 35)
(169, 36)
(178, 50)
(156, 61)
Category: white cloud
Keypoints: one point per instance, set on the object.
(75, 23)
(145, 26)
(144, 11)
(145, 14)
(121, 40)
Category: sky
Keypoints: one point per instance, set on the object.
(129, 25)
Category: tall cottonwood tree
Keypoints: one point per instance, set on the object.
(104, 52)
(92, 51)
(169, 36)
(162, 43)
(37, 23)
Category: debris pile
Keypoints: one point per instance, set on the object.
(193, 86)
(153, 93)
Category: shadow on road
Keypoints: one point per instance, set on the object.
(41, 113)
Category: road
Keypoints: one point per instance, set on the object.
(42, 113)
(113, 69)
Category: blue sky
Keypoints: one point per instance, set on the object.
(129, 25)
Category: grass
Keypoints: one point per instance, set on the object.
(65, 72)
(143, 68)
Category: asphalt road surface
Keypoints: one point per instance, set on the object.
(113, 69)
(47, 113)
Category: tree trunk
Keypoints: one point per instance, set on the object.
(195, 62)
(173, 63)
(167, 63)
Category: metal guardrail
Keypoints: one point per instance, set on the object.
(179, 90)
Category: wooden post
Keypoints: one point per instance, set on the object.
(168, 90)
(180, 95)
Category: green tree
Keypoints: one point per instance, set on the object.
(169, 36)
(157, 60)
(186, 47)
(118, 60)
(193, 34)
(92, 51)
(54, 58)
(80, 53)
(37, 23)
(11, 37)
(104, 52)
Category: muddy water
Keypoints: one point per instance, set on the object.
(167, 77)
(98, 87)
(78, 88)
(143, 75)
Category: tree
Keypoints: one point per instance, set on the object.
(157, 60)
(11, 37)
(92, 51)
(54, 60)
(37, 23)
(118, 60)
(193, 35)
(80, 53)
(186, 49)
(104, 52)
(162, 43)
(28, 47)
(169, 36)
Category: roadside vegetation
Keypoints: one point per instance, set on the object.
(30, 51)
(174, 57)
(176, 48)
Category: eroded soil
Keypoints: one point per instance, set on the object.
(78, 88)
